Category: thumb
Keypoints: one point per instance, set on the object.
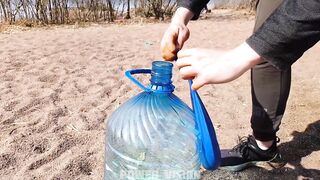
(198, 82)
(183, 36)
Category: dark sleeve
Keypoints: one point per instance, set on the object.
(290, 31)
(195, 6)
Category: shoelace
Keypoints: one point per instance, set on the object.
(242, 146)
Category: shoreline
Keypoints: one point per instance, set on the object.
(227, 13)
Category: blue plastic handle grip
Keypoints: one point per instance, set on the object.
(209, 150)
(129, 74)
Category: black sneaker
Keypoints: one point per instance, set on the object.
(247, 154)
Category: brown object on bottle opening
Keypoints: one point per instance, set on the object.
(169, 52)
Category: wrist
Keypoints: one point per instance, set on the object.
(182, 16)
(242, 58)
(246, 55)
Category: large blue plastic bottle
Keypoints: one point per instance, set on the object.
(152, 135)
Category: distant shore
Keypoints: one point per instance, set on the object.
(215, 13)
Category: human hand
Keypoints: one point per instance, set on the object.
(176, 35)
(173, 40)
(206, 66)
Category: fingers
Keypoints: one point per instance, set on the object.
(191, 67)
(188, 72)
(183, 36)
(173, 40)
(187, 53)
(168, 48)
(169, 52)
(198, 82)
(183, 62)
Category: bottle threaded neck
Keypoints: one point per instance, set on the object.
(161, 73)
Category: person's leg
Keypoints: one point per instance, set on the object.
(270, 89)
(264, 9)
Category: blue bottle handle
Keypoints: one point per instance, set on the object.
(129, 74)
(208, 146)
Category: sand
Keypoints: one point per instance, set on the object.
(58, 85)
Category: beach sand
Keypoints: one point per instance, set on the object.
(58, 85)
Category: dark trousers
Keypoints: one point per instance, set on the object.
(270, 87)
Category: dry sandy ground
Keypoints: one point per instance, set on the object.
(57, 86)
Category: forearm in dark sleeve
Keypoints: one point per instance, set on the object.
(195, 6)
(291, 30)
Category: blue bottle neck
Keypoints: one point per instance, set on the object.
(161, 75)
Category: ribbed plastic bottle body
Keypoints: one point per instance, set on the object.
(152, 136)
